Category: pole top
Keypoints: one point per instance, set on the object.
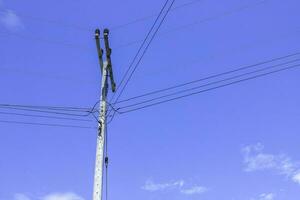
(106, 31)
(97, 32)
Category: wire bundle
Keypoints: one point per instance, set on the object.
(49, 114)
(209, 83)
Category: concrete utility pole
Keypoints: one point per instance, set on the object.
(106, 69)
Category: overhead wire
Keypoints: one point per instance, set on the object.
(209, 89)
(207, 78)
(49, 112)
(43, 116)
(225, 13)
(66, 111)
(71, 113)
(208, 84)
(182, 27)
(112, 117)
(77, 27)
(183, 5)
(82, 47)
(48, 107)
(145, 50)
(32, 108)
(89, 28)
(140, 48)
(141, 19)
(46, 124)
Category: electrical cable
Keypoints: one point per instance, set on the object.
(81, 47)
(50, 112)
(141, 19)
(145, 50)
(77, 109)
(209, 89)
(225, 13)
(112, 107)
(209, 77)
(89, 29)
(205, 85)
(112, 117)
(43, 116)
(46, 124)
(141, 47)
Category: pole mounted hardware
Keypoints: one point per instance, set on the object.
(106, 71)
(99, 50)
(108, 59)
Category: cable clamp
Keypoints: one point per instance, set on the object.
(106, 161)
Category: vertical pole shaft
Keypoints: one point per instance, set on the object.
(98, 180)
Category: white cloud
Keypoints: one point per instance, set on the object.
(269, 196)
(296, 178)
(20, 196)
(62, 196)
(194, 190)
(256, 160)
(265, 196)
(179, 186)
(10, 20)
(52, 196)
(151, 186)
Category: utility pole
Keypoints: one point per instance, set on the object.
(106, 69)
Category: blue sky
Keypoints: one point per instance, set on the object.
(236, 143)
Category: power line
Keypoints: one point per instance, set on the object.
(209, 19)
(141, 19)
(141, 47)
(145, 50)
(50, 110)
(49, 107)
(209, 77)
(208, 84)
(89, 28)
(225, 13)
(143, 53)
(43, 116)
(79, 28)
(112, 117)
(46, 124)
(209, 89)
(81, 47)
(182, 27)
(87, 113)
